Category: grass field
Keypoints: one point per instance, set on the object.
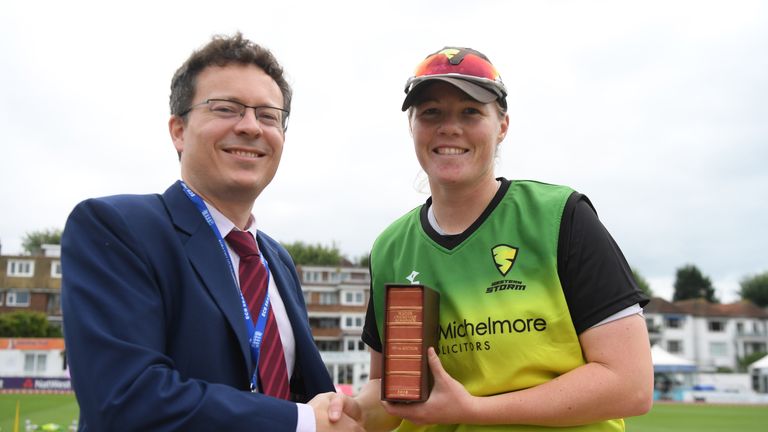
(62, 409)
(39, 409)
(701, 418)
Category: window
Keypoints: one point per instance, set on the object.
(716, 326)
(324, 322)
(21, 268)
(353, 322)
(329, 298)
(754, 347)
(333, 277)
(673, 322)
(17, 298)
(311, 276)
(346, 374)
(54, 304)
(35, 362)
(718, 349)
(307, 297)
(675, 346)
(353, 298)
(650, 324)
(325, 345)
(354, 344)
(56, 269)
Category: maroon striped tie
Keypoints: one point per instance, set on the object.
(273, 375)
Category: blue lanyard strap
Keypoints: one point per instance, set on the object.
(255, 331)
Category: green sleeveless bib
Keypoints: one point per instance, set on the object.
(504, 321)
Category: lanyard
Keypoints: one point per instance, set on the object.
(255, 331)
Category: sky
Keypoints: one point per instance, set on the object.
(656, 110)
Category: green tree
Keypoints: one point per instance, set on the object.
(744, 362)
(27, 324)
(307, 254)
(642, 283)
(690, 283)
(33, 241)
(364, 260)
(755, 289)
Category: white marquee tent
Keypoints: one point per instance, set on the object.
(760, 364)
(759, 372)
(664, 361)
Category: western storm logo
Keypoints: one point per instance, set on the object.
(504, 257)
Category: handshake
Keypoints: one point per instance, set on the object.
(337, 412)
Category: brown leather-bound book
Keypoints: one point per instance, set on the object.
(410, 327)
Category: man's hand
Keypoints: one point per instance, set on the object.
(336, 412)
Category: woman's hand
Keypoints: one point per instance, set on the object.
(448, 403)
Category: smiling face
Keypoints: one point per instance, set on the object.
(455, 136)
(229, 160)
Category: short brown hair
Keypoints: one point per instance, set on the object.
(223, 51)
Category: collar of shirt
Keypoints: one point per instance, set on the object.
(224, 225)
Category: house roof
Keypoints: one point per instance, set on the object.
(659, 305)
(701, 307)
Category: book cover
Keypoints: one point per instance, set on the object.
(410, 327)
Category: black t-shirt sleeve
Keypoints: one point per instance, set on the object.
(370, 334)
(597, 281)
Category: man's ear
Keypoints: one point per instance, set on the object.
(176, 127)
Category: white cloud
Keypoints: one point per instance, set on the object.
(656, 110)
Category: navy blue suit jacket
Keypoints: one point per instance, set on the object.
(153, 325)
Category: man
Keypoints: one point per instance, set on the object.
(163, 326)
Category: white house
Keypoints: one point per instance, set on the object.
(337, 299)
(713, 336)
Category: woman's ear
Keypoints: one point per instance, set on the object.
(503, 128)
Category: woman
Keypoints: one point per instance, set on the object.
(568, 346)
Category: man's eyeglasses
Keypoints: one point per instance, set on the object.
(228, 109)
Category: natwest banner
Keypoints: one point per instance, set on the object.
(28, 383)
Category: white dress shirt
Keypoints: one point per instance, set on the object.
(306, 415)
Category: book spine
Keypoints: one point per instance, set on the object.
(404, 364)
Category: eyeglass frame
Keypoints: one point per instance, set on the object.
(284, 120)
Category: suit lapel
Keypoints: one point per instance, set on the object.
(287, 289)
(208, 260)
(310, 376)
(282, 280)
